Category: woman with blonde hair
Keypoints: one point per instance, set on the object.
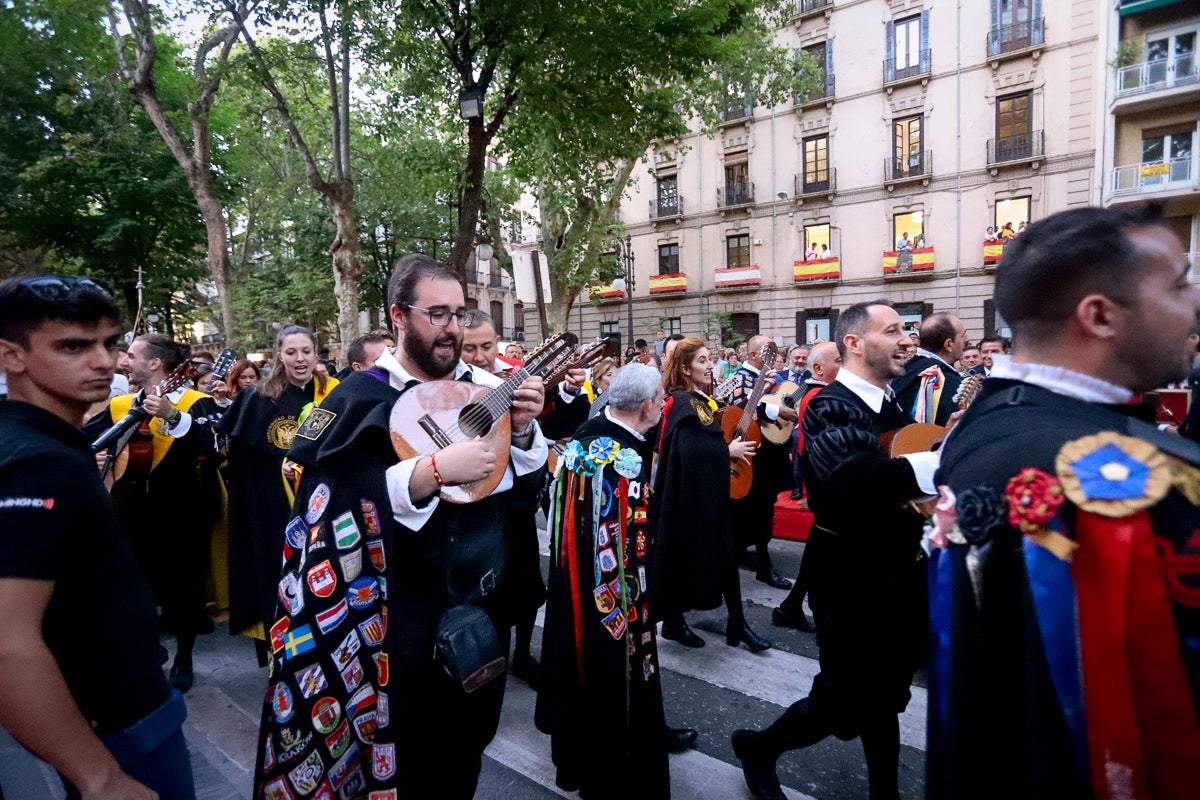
(695, 560)
(260, 425)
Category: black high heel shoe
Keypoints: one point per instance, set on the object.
(680, 632)
(741, 634)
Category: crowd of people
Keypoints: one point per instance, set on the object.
(375, 532)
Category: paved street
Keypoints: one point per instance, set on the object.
(714, 689)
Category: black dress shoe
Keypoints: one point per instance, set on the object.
(527, 669)
(774, 579)
(741, 634)
(182, 679)
(681, 739)
(681, 633)
(785, 620)
(759, 773)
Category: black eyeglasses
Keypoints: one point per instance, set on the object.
(440, 317)
(53, 288)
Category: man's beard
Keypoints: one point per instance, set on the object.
(881, 362)
(423, 356)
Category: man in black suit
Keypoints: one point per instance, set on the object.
(927, 387)
(1065, 661)
(867, 591)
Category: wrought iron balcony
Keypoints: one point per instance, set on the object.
(735, 194)
(1016, 37)
(660, 209)
(824, 92)
(806, 185)
(895, 71)
(914, 166)
(1017, 147)
(802, 8)
(738, 107)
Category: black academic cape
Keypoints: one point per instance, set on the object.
(259, 432)
(601, 696)
(867, 591)
(908, 385)
(694, 542)
(754, 515)
(997, 727)
(355, 694)
(171, 541)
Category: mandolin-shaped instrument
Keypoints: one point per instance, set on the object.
(433, 415)
(742, 422)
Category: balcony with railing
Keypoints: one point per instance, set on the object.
(1160, 178)
(822, 94)
(803, 9)
(897, 72)
(910, 262)
(822, 183)
(735, 195)
(1016, 40)
(1163, 81)
(666, 209)
(917, 166)
(1017, 148)
(738, 107)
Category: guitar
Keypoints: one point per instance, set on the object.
(740, 422)
(588, 355)
(129, 441)
(788, 393)
(433, 415)
(923, 437)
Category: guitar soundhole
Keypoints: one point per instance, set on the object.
(475, 420)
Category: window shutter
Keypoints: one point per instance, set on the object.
(1035, 20)
(926, 310)
(829, 83)
(989, 318)
(889, 66)
(801, 324)
(925, 42)
(994, 39)
(833, 319)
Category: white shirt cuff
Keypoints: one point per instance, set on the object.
(182, 425)
(771, 411)
(527, 461)
(924, 465)
(404, 510)
(564, 394)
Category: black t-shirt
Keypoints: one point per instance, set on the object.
(57, 523)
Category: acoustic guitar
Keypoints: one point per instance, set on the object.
(788, 393)
(129, 441)
(433, 415)
(741, 422)
(598, 350)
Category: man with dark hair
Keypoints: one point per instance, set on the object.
(971, 360)
(1064, 597)
(179, 443)
(754, 514)
(926, 389)
(866, 588)
(365, 350)
(80, 682)
(990, 346)
(374, 560)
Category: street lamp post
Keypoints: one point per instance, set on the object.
(628, 281)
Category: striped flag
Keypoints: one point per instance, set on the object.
(738, 276)
(820, 270)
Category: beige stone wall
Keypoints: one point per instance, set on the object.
(958, 200)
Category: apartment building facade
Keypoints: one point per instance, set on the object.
(1150, 119)
(933, 123)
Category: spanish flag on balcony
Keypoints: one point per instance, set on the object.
(676, 282)
(738, 276)
(606, 291)
(823, 269)
(992, 250)
(922, 261)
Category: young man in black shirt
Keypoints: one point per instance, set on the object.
(80, 684)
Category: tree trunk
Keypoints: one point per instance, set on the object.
(347, 262)
(218, 254)
(472, 198)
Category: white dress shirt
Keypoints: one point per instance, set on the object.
(923, 464)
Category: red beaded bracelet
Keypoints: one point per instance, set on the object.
(437, 476)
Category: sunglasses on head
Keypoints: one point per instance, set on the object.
(52, 288)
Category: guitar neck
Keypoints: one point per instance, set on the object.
(750, 413)
(499, 400)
